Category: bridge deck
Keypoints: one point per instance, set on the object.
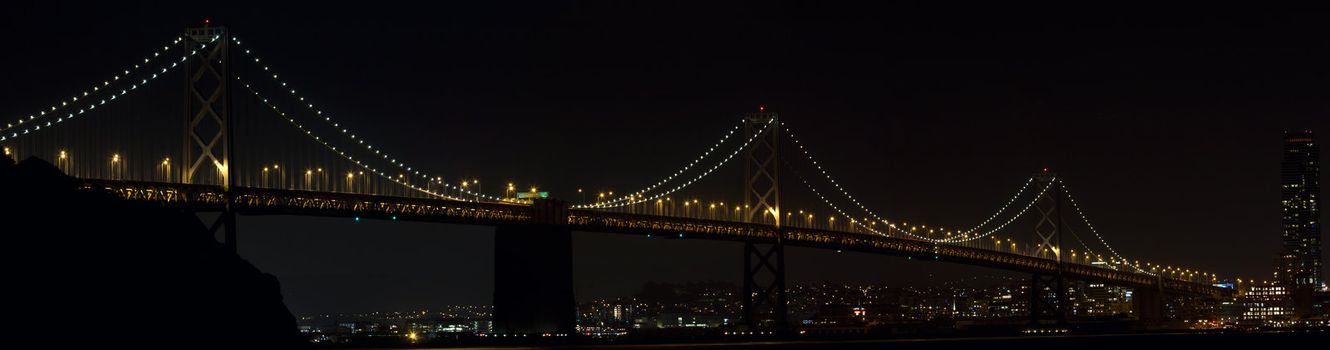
(257, 201)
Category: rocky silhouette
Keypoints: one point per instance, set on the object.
(87, 268)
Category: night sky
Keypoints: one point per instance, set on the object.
(1166, 124)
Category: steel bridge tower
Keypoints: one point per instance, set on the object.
(764, 302)
(207, 134)
(1048, 292)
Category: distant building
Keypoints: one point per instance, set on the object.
(1299, 264)
(1101, 300)
(1299, 192)
(1265, 304)
(1319, 316)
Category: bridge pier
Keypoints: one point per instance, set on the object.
(1148, 305)
(1048, 299)
(533, 274)
(764, 302)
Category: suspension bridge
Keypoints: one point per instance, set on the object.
(125, 134)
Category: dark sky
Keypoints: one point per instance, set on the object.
(1167, 124)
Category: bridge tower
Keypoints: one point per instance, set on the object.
(207, 134)
(764, 302)
(1048, 291)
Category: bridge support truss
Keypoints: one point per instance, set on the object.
(1048, 299)
(764, 285)
(764, 300)
(1048, 291)
(207, 137)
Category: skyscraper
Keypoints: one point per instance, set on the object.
(1300, 260)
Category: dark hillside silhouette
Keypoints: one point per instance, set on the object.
(86, 268)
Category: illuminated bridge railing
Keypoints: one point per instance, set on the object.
(591, 220)
(297, 202)
(269, 201)
(915, 248)
(198, 197)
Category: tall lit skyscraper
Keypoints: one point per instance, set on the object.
(1300, 190)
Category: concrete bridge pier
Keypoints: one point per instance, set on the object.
(533, 274)
(1148, 305)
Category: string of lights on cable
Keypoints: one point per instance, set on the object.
(842, 213)
(830, 179)
(910, 231)
(968, 237)
(643, 198)
(14, 133)
(1028, 181)
(1088, 250)
(327, 119)
(790, 133)
(332, 148)
(72, 101)
(667, 179)
(1086, 219)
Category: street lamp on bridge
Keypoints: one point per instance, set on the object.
(116, 166)
(166, 167)
(62, 161)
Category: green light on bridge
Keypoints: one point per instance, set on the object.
(532, 195)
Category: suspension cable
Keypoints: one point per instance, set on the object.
(327, 119)
(722, 162)
(1082, 242)
(72, 101)
(631, 195)
(967, 237)
(1086, 219)
(1020, 191)
(35, 125)
(332, 148)
(842, 212)
(1027, 207)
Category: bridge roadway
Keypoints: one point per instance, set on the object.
(260, 201)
